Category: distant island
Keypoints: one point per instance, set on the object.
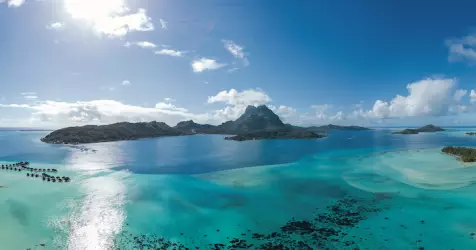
(470, 133)
(256, 123)
(463, 153)
(424, 129)
(278, 134)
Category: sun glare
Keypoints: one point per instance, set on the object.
(94, 10)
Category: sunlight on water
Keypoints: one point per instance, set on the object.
(210, 191)
(100, 215)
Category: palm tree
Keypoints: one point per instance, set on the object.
(48, 179)
(54, 180)
(37, 176)
(27, 175)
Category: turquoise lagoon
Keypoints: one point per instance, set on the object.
(352, 190)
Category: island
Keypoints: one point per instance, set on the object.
(463, 153)
(277, 134)
(113, 132)
(425, 129)
(256, 123)
(470, 133)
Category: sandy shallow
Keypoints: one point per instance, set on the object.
(405, 199)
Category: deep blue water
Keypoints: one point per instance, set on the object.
(209, 153)
(173, 188)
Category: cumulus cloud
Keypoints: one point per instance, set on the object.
(237, 102)
(170, 52)
(105, 112)
(204, 64)
(126, 83)
(462, 49)
(286, 113)
(246, 97)
(55, 26)
(428, 97)
(236, 50)
(142, 44)
(111, 18)
(321, 111)
(13, 3)
(169, 106)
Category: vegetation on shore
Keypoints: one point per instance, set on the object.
(278, 134)
(463, 153)
(424, 129)
(470, 133)
(254, 124)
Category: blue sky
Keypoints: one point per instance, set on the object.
(73, 62)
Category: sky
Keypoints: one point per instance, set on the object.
(371, 63)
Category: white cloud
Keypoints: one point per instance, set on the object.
(472, 96)
(459, 94)
(321, 111)
(13, 3)
(203, 64)
(61, 114)
(429, 97)
(126, 83)
(339, 116)
(456, 109)
(228, 113)
(246, 97)
(169, 106)
(142, 44)
(163, 23)
(30, 97)
(170, 52)
(284, 112)
(462, 49)
(168, 99)
(237, 102)
(112, 88)
(28, 93)
(112, 17)
(55, 26)
(236, 50)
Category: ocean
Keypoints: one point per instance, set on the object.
(352, 190)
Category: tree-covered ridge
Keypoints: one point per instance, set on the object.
(463, 153)
(254, 124)
(424, 129)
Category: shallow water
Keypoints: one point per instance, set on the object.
(395, 192)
